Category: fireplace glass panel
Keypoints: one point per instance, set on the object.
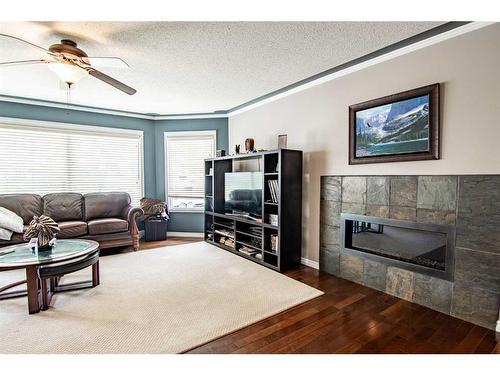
(424, 248)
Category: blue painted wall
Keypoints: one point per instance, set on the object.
(185, 221)
(154, 153)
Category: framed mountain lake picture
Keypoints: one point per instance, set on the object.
(399, 127)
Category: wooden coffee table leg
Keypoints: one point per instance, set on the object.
(33, 290)
(95, 274)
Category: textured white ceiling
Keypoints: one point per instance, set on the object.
(192, 67)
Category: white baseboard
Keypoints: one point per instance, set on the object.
(309, 263)
(185, 234)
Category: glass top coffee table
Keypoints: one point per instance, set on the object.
(22, 256)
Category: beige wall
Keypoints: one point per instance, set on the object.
(316, 119)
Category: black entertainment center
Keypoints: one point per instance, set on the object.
(253, 206)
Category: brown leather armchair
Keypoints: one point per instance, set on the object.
(108, 218)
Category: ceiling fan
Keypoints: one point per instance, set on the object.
(71, 64)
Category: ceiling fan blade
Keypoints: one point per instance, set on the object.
(107, 62)
(25, 41)
(111, 81)
(22, 62)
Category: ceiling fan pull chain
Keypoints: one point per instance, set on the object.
(68, 94)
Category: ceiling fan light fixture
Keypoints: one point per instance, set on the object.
(67, 72)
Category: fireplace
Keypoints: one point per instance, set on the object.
(418, 247)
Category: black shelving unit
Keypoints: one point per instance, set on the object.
(284, 168)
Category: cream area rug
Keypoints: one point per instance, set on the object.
(166, 300)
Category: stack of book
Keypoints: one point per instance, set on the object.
(274, 243)
(273, 219)
(226, 241)
(248, 251)
(274, 190)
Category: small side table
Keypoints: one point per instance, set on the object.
(156, 229)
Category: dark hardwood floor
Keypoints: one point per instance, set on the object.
(350, 318)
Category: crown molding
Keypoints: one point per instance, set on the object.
(437, 35)
(192, 116)
(76, 107)
(73, 107)
(24, 123)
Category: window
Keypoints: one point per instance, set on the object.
(50, 158)
(185, 170)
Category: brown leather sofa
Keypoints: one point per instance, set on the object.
(107, 218)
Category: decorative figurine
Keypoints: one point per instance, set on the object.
(44, 229)
(237, 149)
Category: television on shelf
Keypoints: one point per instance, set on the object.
(243, 193)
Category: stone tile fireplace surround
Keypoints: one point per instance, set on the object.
(469, 204)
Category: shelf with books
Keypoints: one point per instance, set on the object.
(255, 255)
(271, 241)
(248, 245)
(272, 191)
(224, 240)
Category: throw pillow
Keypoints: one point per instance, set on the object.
(5, 234)
(10, 220)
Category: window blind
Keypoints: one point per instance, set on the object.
(45, 160)
(185, 167)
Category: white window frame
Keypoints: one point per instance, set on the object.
(40, 125)
(191, 133)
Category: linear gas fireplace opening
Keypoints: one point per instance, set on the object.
(424, 248)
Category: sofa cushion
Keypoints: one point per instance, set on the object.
(72, 229)
(105, 205)
(63, 206)
(24, 205)
(14, 240)
(107, 225)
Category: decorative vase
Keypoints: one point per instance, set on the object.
(249, 144)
